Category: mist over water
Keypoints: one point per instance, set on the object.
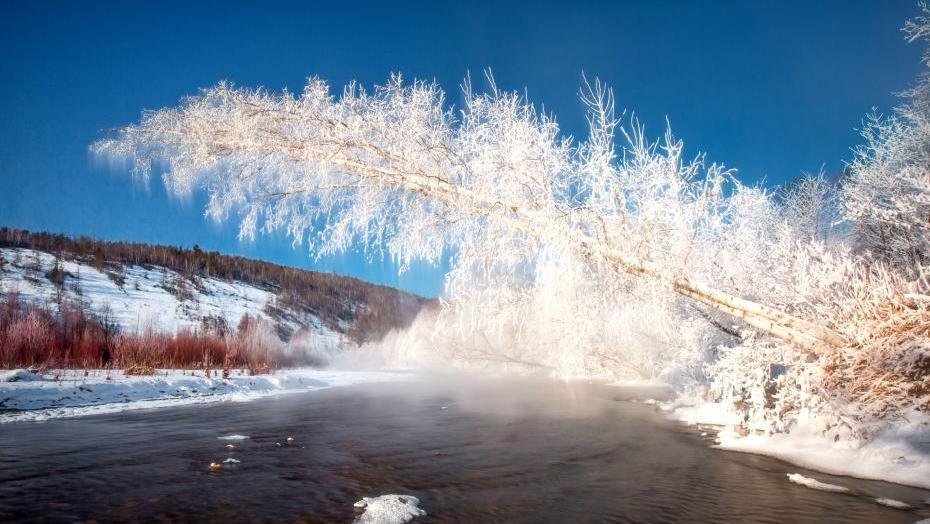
(471, 449)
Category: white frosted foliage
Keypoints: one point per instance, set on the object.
(613, 255)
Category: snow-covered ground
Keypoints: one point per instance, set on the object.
(899, 453)
(144, 298)
(69, 393)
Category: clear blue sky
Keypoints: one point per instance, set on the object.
(770, 88)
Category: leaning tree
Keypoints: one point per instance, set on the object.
(396, 169)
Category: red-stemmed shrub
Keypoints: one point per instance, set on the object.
(66, 337)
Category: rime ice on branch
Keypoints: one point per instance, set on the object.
(395, 169)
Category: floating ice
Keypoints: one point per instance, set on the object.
(892, 503)
(233, 437)
(815, 484)
(389, 509)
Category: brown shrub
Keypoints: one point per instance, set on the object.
(31, 336)
(888, 369)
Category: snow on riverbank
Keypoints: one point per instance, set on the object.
(69, 393)
(899, 453)
(710, 413)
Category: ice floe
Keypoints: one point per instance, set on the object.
(389, 509)
(816, 484)
(892, 503)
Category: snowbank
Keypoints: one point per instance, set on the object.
(899, 453)
(710, 413)
(70, 393)
(651, 383)
(19, 375)
(389, 509)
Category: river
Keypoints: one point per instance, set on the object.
(471, 450)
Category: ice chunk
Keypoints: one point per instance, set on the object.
(389, 509)
(233, 437)
(892, 503)
(815, 484)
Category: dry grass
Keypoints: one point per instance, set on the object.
(138, 370)
(889, 368)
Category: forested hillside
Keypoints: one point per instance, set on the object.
(360, 310)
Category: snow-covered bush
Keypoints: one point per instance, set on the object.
(886, 196)
(767, 383)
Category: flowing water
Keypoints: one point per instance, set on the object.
(479, 451)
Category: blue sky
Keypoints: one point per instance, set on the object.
(772, 89)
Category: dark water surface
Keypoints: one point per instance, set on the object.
(525, 451)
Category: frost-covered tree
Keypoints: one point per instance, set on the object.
(612, 255)
(887, 194)
(396, 169)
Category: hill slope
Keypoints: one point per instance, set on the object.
(139, 286)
